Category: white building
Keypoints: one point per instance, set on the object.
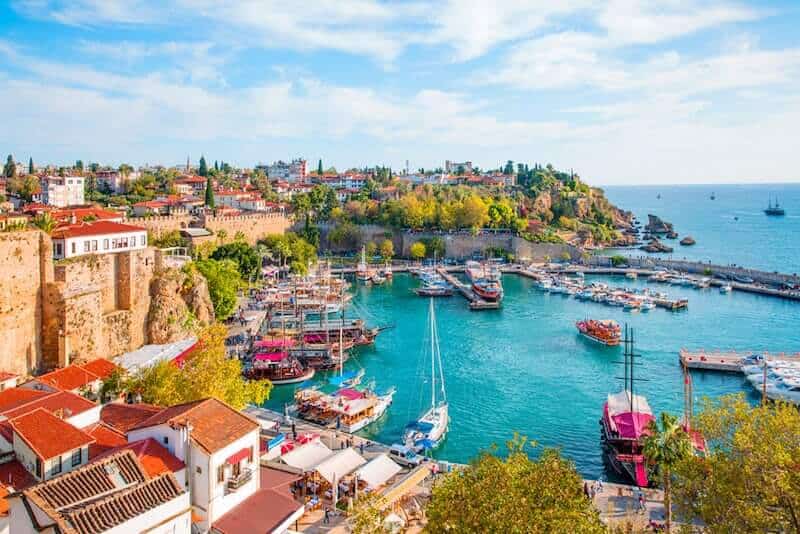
(220, 448)
(454, 167)
(296, 171)
(62, 191)
(99, 237)
(112, 495)
(114, 181)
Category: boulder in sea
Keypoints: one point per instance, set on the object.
(656, 226)
(672, 235)
(688, 241)
(656, 246)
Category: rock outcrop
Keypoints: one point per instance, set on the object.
(688, 241)
(656, 246)
(656, 226)
(180, 304)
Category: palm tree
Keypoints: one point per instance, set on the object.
(666, 446)
(45, 222)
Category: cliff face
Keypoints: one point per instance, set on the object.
(180, 304)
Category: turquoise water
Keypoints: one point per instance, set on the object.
(755, 240)
(523, 368)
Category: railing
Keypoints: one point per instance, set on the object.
(175, 256)
(237, 481)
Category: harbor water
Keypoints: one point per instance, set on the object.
(524, 369)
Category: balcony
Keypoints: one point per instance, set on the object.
(237, 481)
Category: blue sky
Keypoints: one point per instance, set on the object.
(622, 91)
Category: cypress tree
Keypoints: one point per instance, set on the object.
(209, 193)
(203, 169)
(216, 166)
(319, 168)
(30, 166)
(10, 170)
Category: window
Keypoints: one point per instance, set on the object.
(94, 245)
(76, 458)
(86, 246)
(56, 469)
(59, 249)
(105, 244)
(166, 440)
(74, 249)
(221, 473)
(199, 471)
(144, 240)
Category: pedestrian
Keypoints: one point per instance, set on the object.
(642, 506)
(600, 485)
(591, 492)
(361, 447)
(294, 431)
(327, 518)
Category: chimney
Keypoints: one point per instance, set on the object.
(72, 218)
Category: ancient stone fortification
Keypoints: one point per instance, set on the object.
(253, 226)
(27, 268)
(161, 224)
(94, 306)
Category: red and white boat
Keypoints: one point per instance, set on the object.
(606, 331)
(485, 282)
(279, 368)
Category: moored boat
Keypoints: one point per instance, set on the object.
(606, 331)
(488, 290)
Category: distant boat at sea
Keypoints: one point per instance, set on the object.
(658, 196)
(775, 210)
(713, 196)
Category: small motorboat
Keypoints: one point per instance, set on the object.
(726, 288)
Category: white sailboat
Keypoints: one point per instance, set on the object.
(429, 431)
(363, 271)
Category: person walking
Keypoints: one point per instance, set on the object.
(327, 519)
(642, 506)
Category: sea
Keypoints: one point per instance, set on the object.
(523, 369)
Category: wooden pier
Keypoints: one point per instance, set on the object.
(475, 302)
(727, 361)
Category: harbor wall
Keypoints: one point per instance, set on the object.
(158, 225)
(254, 226)
(697, 267)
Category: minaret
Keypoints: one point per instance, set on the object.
(188, 167)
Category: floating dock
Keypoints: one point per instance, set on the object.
(727, 361)
(475, 302)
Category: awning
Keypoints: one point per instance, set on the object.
(274, 343)
(237, 457)
(378, 471)
(307, 456)
(391, 495)
(340, 464)
(270, 356)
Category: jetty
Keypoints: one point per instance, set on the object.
(727, 361)
(475, 302)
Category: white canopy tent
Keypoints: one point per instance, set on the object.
(307, 456)
(340, 464)
(619, 403)
(378, 471)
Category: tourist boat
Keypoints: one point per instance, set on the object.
(786, 389)
(377, 279)
(631, 306)
(363, 272)
(646, 306)
(631, 275)
(623, 426)
(348, 409)
(280, 368)
(488, 290)
(774, 210)
(606, 331)
(726, 288)
(427, 432)
(713, 196)
(485, 283)
(434, 290)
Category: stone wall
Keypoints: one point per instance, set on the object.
(253, 226)
(525, 251)
(161, 224)
(25, 257)
(460, 245)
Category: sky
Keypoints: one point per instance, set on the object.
(621, 91)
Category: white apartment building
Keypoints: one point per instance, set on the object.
(114, 181)
(62, 191)
(99, 237)
(295, 171)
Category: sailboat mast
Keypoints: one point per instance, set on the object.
(439, 363)
(341, 333)
(433, 354)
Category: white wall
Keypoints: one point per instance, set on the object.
(25, 455)
(84, 419)
(99, 244)
(66, 463)
(175, 438)
(173, 517)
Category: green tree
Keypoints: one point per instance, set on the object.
(292, 249)
(79, 165)
(515, 494)
(169, 239)
(209, 200)
(666, 445)
(207, 372)
(45, 222)
(749, 479)
(387, 249)
(24, 186)
(30, 165)
(202, 170)
(243, 255)
(417, 250)
(10, 169)
(223, 282)
(367, 514)
(319, 168)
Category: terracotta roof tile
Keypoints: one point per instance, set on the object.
(62, 404)
(263, 511)
(95, 228)
(214, 423)
(15, 397)
(103, 494)
(101, 367)
(47, 435)
(155, 459)
(15, 475)
(105, 439)
(123, 417)
(68, 378)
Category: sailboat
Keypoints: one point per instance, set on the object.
(362, 270)
(775, 209)
(427, 432)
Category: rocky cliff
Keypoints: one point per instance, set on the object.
(180, 304)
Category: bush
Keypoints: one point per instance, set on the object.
(417, 250)
(223, 282)
(618, 260)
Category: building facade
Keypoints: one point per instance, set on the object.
(100, 237)
(62, 191)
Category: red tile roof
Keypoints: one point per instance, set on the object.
(7, 376)
(62, 404)
(80, 213)
(101, 367)
(105, 439)
(14, 474)
(69, 378)
(263, 511)
(95, 228)
(16, 397)
(47, 435)
(123, 417)
(155, 459)
(214, 423)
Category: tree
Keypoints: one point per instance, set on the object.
(749, 480)
(243, 255)
(30, 165)
(202, 170)
(223, 282)
(515, 494)
(207, 372)
(45, 222)
(666, 445)
(319, 168)
(209, 200)
(366, 516)
(387, 250)
(371, 249)
(417, 250)
(10, 169)
(291, 248)
(79, 165)
(24, 186)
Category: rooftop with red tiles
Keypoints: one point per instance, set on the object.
(16, 397)
(155, 459)
(123, 417)
(101, 367)
(62, 404)
(105, 439)
(47, 435)
(95, 228)
(68, 378)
